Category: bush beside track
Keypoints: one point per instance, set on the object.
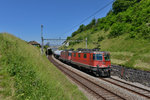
(30, 76)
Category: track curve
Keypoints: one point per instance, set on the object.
(101, 92)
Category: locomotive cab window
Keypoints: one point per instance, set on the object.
(79, 55)
(97, 57)
(107, 57)
(74, 54)
(70, 54)
(84, 55)
(93, 56)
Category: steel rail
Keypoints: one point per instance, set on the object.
(102, 96)
(146, 96)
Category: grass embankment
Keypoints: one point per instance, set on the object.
(30, 76)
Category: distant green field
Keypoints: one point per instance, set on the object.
(30, 76)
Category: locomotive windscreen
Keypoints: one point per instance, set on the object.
(70, 54)
(97, 57)
(107, 57)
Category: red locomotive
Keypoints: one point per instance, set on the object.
(95, 61)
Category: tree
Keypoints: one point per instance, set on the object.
(92, 23)
(123, 5)
(81, 28)
(116, 30)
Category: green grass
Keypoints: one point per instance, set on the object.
(34, 77)
(133, 52)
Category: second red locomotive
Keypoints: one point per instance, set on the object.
(95, 61)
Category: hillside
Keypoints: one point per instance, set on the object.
(124, 32)
(26, 75)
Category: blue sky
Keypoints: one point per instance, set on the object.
(23, 18)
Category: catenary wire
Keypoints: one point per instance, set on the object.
(89, 17)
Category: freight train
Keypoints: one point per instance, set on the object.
(57, 53)
(95, 61)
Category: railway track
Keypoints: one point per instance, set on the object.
(99, 91)
(130, 87)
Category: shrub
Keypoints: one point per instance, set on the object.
(100, 38)
(132, 34)
(106, 27)
(94, 30)
(116, 30)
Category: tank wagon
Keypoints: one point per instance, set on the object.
(95, 61)
(57, 53)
